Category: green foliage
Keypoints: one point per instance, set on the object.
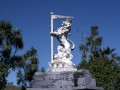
(26, 73)
(104, 72)
(12, 87)
(82, 65)
(3, 73)
(101, 62)
(10, 43)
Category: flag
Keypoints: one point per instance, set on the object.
(60, 16)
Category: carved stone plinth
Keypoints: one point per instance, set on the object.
(77, 80)
(60, 66)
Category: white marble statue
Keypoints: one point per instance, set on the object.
(64, 50)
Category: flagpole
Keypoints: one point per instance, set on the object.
(51, 37)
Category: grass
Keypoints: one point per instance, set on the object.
(12, 87)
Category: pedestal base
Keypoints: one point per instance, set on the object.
(76, 80)
(60, 66)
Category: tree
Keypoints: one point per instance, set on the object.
(10, 43)
(26, 73)
(101, 62)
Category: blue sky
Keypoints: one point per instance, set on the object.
(33, 18)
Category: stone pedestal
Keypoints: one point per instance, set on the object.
(61, 66)
(74, 80)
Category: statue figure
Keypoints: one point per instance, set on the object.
(64, 50)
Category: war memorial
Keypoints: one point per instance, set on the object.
(62, 73)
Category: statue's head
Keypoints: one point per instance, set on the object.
(66, 23)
